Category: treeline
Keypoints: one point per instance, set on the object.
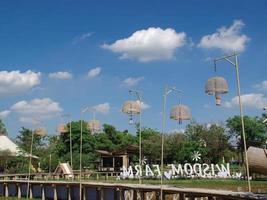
(215, 142)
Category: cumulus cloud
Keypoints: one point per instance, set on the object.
(15, 82)
(253, 100)
(94, 72)
(102, 108)
(4, 113)
(262, 85)
(144, 106)
(131, 81)
(60, 75)
(36, 108)
(81, 38)
(226, 39)
(149, 44)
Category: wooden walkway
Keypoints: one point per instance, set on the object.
(68, 190)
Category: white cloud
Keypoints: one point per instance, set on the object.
(249, 100)
(61, 75)
(226, 39)
(4, 113)
(132, 81)
(15, 82)
(37, 108)
(262, 85)
(82, 37)
(149, 44)
(94, 72)
(144, 106)
(102, 108)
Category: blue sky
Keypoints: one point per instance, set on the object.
(141, 45)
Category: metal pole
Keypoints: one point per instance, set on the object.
(70, 145)
(50, 159)
(140, 140)
(81, 143)
(242, 121)
(162, 140)
(30, 164)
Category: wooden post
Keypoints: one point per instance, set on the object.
(84, 192)
(6, 190)
(30, 192)
(69, 192)
(55, 192)
(19, 191)
(43, 191)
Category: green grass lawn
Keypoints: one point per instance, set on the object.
(222, 184)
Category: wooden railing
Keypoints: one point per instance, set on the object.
(107, 191)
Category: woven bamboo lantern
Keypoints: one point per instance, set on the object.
(62, 128)
(40, 132)
(131, 108)
(180, 113)
(257, 159)
(216, 86)
(94, 126)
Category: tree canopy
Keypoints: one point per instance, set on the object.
(215, 142)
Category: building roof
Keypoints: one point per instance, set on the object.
(131, 149)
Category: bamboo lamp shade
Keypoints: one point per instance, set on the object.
(131, 107)
(40, 132)
(215, 86)
(180, 112)
(94, 126)
(62, 128)
(257, 160)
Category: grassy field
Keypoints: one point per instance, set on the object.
(257, 186)
(221, 184)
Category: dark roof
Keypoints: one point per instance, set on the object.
(131, 149)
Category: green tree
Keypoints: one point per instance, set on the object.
(151, 144)
(255, 131)
(174, 144)
(3, 130)
(24, 138)
(88, 145)
(210, 140)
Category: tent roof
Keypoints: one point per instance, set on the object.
(8, 145)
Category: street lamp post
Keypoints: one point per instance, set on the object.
(180, 112)
(81, 149)
(233, 60)
(70, 128)
(36, 131)
(133, 107)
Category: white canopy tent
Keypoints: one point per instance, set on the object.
(8, 145)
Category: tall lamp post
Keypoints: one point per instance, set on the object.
(179, 112)
(218, 85)
(62, 128)
(84, 110)
(134, 108)
(36, 131)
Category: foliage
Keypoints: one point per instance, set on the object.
(214, 142)
(110, 139)
(255, 131)
(3, 130)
